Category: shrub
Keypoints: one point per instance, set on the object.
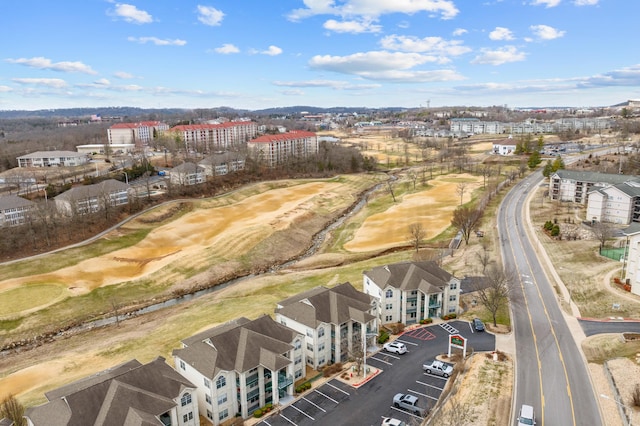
(555, 231)
(426, 321)
(330, 370)
(258, 413)
(383, 337)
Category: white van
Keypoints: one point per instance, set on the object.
(526, 418)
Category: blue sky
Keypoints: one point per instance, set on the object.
(257, 54)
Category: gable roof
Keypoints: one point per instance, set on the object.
(238, 345)
(187, 167)
(335, 305)
(88, 191)
(53, 154)
(128, 394)
(13, 202)
(427, 277)
(594, 177)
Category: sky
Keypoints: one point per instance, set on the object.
(255, 54)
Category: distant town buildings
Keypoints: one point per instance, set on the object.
(279, 149)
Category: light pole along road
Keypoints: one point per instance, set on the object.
(551, 374)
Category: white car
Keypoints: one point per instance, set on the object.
(438, 368)
(395, 347)
(390, 421)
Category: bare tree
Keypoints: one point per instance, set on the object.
(13, 410)
(483, 256)
(390, 189)
(414, 177)
(603, 232)
(461, 189)
(495, 290)
(465, 219)
(455, 412)
(416, 235)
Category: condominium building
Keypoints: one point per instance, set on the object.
(214, 137)
(53, 158)
(336, 322)
(408, 292)
(618, 204)
(187, 174)
(86, 199)
(139, 133)
(241, 366)
(573, 185)
(280, 149)
(14, 210)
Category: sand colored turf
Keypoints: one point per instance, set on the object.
(433, 208)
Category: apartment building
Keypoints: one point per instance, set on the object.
(128, 394)
(53, 158)
(279, 149)
(214, 137)
(573, 185)
(408, 292)
(14, 210)
(475, 126)
(335, 322)
(187, 174)
(222, 163)
(619, 204)
(86, 199)
(631, 266)
(241, 366)
(139, 133)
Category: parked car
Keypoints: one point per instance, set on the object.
(408, 402)
(390, 421)
(438, 368)
(395, 347)
(526, 417)
(478, 325)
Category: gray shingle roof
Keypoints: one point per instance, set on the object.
(89, 191)
(335, 305)
(128, 394)
(53, 154)
(13, 201)
(594, 177)
(187, 168)
(427, 277)
(239, 345)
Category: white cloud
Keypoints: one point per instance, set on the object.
(354, 27)
(226, 49)
(130, 13)
(499, 56)
(585, 2)
(56, 83)
(46, 64)
(123, 75)
(435, 45)
(545, 32)
(459, 31)
(333, 84)
(501, 33)
(210, 15)
(272, 51)
(157, 41)
(374, 8)
(546, 3)
(4, 89)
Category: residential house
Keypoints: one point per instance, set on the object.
(14, 210)
(573, 185)
(408, 292)
(279, 149)
(215, 137)
(618, 204)
(128, 394)
(222, 163)
(53, 158)
(336, 322)
(187, 174)
(505, 147)
(93, 198)
(241, 366)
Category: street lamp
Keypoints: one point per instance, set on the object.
(627, 420)
(126, 176)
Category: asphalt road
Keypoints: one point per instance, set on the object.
(597, 327)
(550, 372)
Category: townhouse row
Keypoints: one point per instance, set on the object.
(237, 367)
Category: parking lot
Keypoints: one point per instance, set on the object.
(336, 402)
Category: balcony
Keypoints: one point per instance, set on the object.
(284, 381)
(434, 304)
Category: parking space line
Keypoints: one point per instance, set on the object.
(416, 392)
(436, 377)
(315, 405)
(296, 408)
(406, 412)
(266, 422)
(284, 417)
(392, 356)
(337, 388)
(380, 360)
(427, 384)
(406, 342)
(327, 396)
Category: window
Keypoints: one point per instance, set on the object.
(223, 414)
(453, 286)
(298, 374)
(452, 298)
(182, 365)
(187, 417)
(309, 347)
(207, 398)
(207, 384)
(209, 414)
(298, 359)
(221, 382)
(321, 347)
(222, 398)
(297, 344)
(186, 399)
(309, 332)
(389, 294)
(388, 318)
(389, 306)
(321, 332)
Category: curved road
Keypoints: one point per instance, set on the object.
(551, 373)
